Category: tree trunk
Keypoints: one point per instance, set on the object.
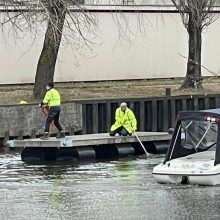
(193, 77)
(47, 61)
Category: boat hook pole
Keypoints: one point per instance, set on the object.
(147, 154)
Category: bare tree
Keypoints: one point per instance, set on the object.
(56, 12)
(196, 15)
(60, 15)
(77, 19)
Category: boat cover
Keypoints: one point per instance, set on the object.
(196, 131)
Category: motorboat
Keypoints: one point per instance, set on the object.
(193, 156)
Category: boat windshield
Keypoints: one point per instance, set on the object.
(198, 135)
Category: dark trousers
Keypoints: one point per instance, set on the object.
(53, 115)
(121, 131)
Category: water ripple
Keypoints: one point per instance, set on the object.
(123, 190)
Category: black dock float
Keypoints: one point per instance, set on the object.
(90, 147)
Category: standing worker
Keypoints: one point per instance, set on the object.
(45, 110)
(125, 121)
(52, 99)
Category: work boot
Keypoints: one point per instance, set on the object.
(45, 136)
(61, 134)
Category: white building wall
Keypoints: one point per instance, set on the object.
(149, 53)
(131, 2)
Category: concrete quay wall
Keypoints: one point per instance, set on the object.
(28, 120)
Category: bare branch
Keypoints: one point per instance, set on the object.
(34, 13)
(212, 72)
(199, 11)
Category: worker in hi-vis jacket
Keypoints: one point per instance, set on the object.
(125, 121)
(53, 100)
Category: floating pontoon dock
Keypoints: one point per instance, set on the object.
(98, 146)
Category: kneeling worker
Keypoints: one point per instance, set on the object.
(125, 121)
(52, 99)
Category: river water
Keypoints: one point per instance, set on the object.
(123, 189)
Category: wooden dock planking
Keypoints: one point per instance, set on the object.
(89, 140)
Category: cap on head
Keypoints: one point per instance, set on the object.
(123, 104)
(50, 84)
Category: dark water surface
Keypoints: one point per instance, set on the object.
(123, 189)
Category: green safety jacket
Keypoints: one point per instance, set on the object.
(52, 98)
(126, 119)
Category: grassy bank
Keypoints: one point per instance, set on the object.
(12, 94)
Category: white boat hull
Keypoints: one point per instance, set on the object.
(193, 169)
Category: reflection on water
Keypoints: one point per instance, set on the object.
(123, 189)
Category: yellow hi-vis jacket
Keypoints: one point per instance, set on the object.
(52, 98)
(125, 119)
